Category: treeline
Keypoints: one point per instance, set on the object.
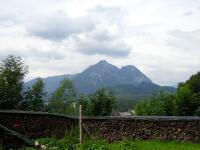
(185, 102)
(65, 100)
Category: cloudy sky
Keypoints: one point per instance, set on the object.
(160, 37)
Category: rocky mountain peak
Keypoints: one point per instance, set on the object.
(103, 62)
(102, 74)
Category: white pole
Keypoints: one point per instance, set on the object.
(80, 124)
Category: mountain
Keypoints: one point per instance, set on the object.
(104, 74)
(125, 81)
(129, 91)
(51, 83)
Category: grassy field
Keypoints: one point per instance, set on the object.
(70, 144)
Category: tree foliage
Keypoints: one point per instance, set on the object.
(161, 104)
(102, 103)
(63, 100)
(38, 95)
(188, 96)
(186, 101)
(85, 102)
(12, 72)
(33, 98)
(27, 98)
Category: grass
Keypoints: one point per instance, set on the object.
(139, 145)
(153, 145)
(70, 144)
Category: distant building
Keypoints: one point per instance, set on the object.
(124, 114)
(132, 112)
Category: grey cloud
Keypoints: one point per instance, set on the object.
(7, 19)
(108, 49)
(191, 11)
(101, 35)
(172, 76)
(88, 32)
(188, 13)
(185, 40)
(34, 53)
(113, 14)
(50, 54)
(102, 43)
(58, 26)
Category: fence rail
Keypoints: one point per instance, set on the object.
(159, 118)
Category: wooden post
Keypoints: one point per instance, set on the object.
(80, 124)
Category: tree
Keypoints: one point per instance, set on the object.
(194, 83)
(64, 98)
(186, 101)
(161, 104)
(85, 102)
(27, 98)
(169, 104)
(188, 96)
(38, 94)
(33, 98)
(12, 72)
(102, 102)
(142, 108)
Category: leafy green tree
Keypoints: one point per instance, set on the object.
(161, 104)
(169, 104)
(183, 100)
(64, 98)
(33, 98)
(102, 102)
(194, 83)
(142, 108)
(188, 96)
(66, 90)
(124, 104)
(85, 102)
(38, 94)
(186, 101)
(12, 72)
(27, 98)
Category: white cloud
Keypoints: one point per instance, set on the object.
(188, 41)
(57, 26)
(65, 36)
(101, 41)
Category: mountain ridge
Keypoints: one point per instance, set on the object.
(104, 74)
